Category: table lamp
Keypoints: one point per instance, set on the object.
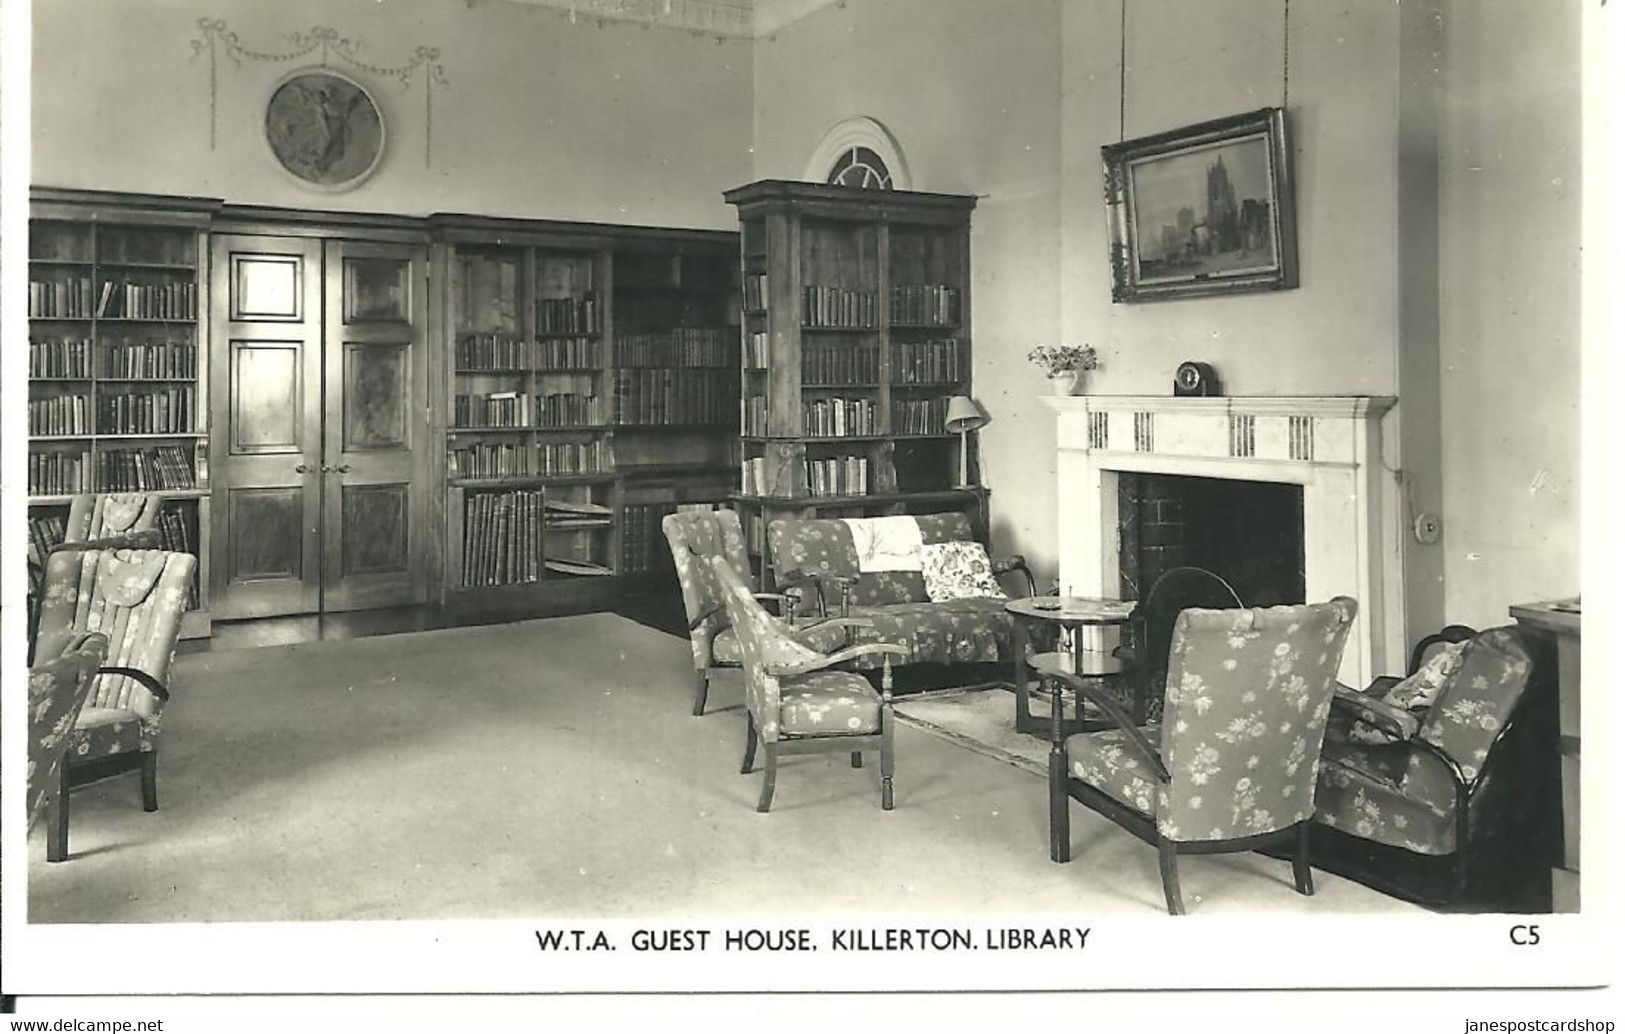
(964, 416)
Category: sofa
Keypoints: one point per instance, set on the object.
(816, 560)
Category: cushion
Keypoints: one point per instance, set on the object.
(957, 571)
(104, 731)
(970, 630)
(1418, 692)
(1108, 761)
(1392, 794)
(828, 703)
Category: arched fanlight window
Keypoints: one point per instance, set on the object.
(860, 167)
(859, 152)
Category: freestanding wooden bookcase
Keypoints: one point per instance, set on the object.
(855, 334)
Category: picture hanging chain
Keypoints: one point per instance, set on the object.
(1122, 68)
(1286, 48)
(214, 38)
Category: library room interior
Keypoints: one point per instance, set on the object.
(497, 459)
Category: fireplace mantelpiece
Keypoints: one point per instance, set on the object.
(1332, 446)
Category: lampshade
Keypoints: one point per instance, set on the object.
(964, 415)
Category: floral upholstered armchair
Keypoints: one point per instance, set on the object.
(135, 598)
(696, 538)
(56, 691)
(1232, 765)
(1422, 766)
(798, 701)
(967, 624)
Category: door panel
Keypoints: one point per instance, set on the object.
(376, 376)
(266, 450)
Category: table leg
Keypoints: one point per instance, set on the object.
(1024, 722)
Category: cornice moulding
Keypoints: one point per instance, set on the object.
(773, 15)
(730, 18)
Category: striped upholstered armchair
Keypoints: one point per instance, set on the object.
(135, 598)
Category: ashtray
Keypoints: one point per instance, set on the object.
(1047, 606)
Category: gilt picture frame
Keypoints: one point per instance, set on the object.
(324, 129)
(1201, 210)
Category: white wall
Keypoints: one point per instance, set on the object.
(607, 121)
(1510, 305)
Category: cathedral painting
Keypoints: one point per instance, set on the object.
(1202, 210)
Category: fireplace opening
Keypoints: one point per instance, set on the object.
(1250, 533)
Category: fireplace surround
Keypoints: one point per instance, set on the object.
(1331, 446)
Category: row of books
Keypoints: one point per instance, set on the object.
(755, 351)
(840, 363)
(166, 411)
(505, 536)
(58, 473)
(755, 287)
(477, 352)
(150, 359)
(838, 475)
(60, 357)
(837, 417)
(504, 409)
(175, 534)
(753, 416)
(660, 397)
(919, 416)
(580, 314)
(75, 298)
(941, 361)
(644, 550)
(44, 532)
(679, 347)
(144, 470)
(60, 414)
(546, 459)
(929, 305)
(61, 299)
(839, 308)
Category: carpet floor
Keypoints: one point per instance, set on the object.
(551, 768)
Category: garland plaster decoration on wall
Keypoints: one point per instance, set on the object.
(720, 18)
(216, 38)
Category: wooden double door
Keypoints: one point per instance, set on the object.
(318, 391)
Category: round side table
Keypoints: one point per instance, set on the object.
(1072, 613)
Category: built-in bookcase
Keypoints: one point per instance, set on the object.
(117, 363)
(587, 366)
(854, 336)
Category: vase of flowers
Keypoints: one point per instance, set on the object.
(1065, 365)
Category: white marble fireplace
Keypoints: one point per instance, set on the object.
(1332, 447)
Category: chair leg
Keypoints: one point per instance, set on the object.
(149, 780)
(857, 759)
(750, 745)
(888, 759)
(770, 774)
(1168, 861)
(702, 686)
(56, 830)
(1060, 803)
(1300, 862)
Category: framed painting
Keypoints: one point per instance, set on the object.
(1206, 209)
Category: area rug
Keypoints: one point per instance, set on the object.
(983, 720)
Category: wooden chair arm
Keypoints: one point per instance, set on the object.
(1016, 562)
(800, 581)
(149, 539)
(152, 684)
(1085, 690)
(838, 657)
(1394, 722)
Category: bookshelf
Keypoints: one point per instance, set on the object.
(855, 317)
(591, 381)
(676, 316)
(117, 363)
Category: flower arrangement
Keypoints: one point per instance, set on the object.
(1060, 359)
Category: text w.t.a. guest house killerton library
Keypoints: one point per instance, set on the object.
(795, 939)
